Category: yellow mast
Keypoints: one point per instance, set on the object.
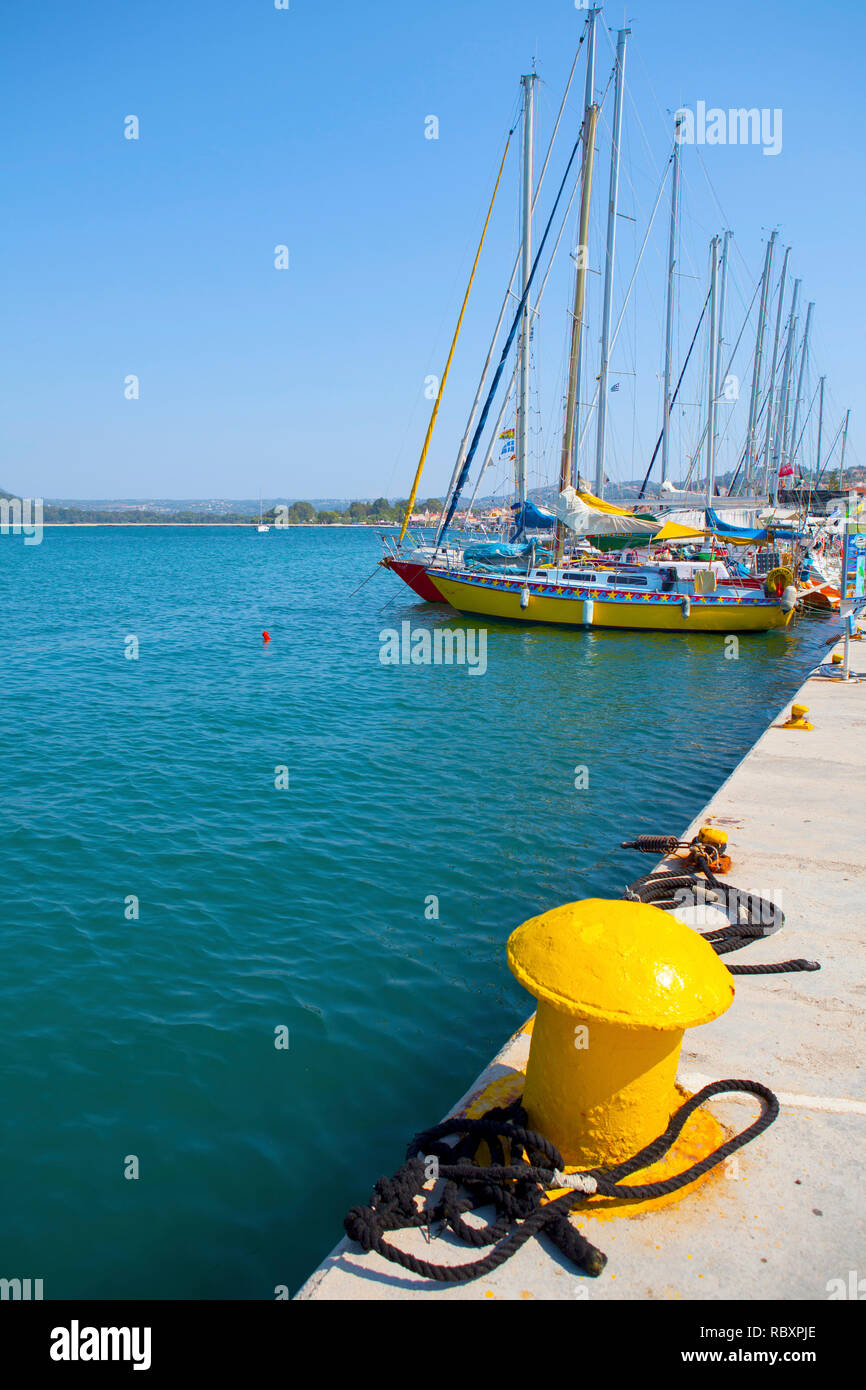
(568, 433)
(430, 428)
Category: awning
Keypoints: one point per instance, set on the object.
(672, 531)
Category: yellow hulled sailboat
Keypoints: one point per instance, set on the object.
(619, 600)
(661, 596)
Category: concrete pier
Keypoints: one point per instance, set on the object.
(784, 1219)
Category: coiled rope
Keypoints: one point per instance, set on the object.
(667, 889)
(515, 1188)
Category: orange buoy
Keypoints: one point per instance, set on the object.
(267, 636)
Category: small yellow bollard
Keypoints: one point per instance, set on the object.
(798, 718)
(617, 984)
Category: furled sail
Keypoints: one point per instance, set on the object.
(602, 519)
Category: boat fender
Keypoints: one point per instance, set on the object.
(524, 596)
(588, 609)
(789, 598)
(686, 606)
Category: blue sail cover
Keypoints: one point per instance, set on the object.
(530, 517)
(723, 528)
(488, 552)
(747, 533)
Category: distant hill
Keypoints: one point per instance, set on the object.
(211, 507)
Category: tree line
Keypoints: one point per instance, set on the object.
(380, 511)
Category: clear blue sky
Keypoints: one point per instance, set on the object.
(306, 127)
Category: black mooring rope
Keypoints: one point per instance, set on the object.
(515, 1189)
(763, 917)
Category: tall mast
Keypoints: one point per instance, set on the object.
(800, 376)
(756, 371)
(782, 413)
(588, 94)
(669, 322)
(771, 390)
(522, 451)
(712, 386)
(820, 427)
(613, 201)
(569, 433)
(589, 84)
(791, 345)
(723, 287)
(842, 455)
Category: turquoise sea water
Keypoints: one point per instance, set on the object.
(301, 907)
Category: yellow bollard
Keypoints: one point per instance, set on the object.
(617, 984)
(711, 835)
(798, 718)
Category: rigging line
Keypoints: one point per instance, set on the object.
(628, 292)
(535, 309)
(724, 433)
(535, 312)
(479, 429)
(830, 454)
(725, 219)
(805, 423)
(439, 394)
(461, 453)
(674, 396)
(688, 198)
(737, 469)
(653, 158)
(600, 106)
(759, 417)
(401, 448)
(490, 451)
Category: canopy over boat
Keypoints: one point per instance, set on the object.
(673, 531)
(747, 534)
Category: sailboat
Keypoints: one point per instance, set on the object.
(262, 526)
(568, 586)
